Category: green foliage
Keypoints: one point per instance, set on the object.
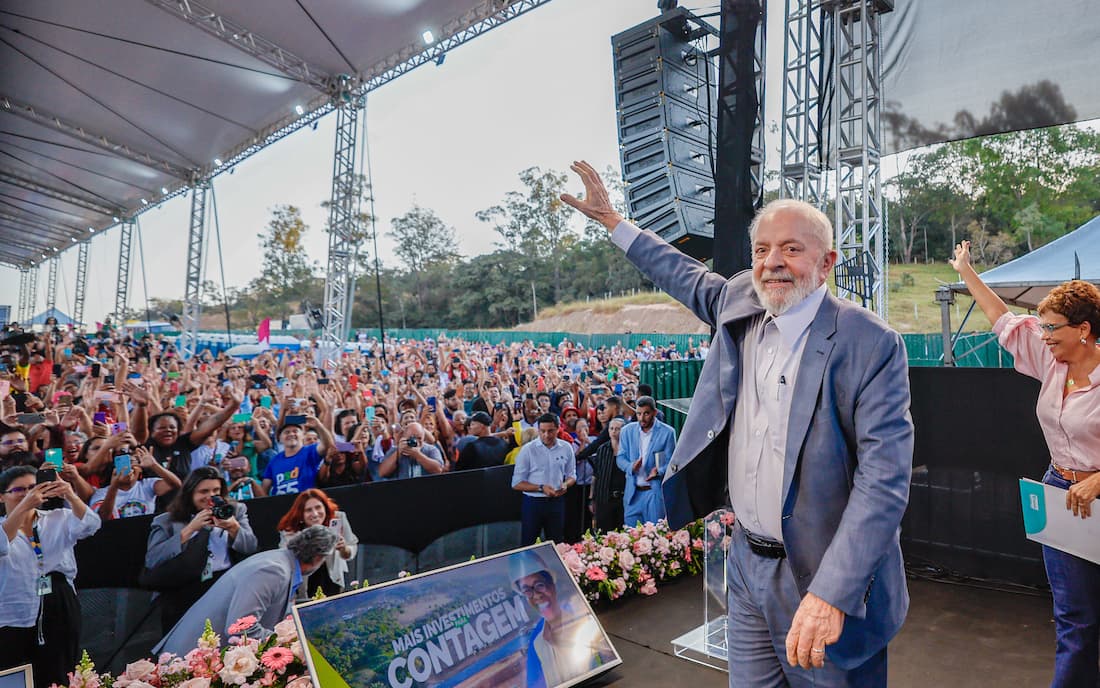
(287, 273)
(1007, 193)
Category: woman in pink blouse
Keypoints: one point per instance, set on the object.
(1058, 348)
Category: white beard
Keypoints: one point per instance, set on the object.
(777, 304)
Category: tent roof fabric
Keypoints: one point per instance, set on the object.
(1026, 280)
(109, 107)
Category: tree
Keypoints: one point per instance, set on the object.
(423, 241)
(287, 271)
(535, 224)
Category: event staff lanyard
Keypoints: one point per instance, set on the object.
(44, 586)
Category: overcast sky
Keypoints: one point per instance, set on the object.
(537, 91)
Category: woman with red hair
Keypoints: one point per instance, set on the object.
(315, 508)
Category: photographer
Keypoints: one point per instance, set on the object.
(193, 543)
(40, 613)
(411, 458)
(315, 508)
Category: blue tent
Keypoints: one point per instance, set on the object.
(1026, 280)
(62, 319)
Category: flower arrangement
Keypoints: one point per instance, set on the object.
(634, 560)
(244, 662)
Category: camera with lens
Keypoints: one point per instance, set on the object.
(412, 442)
(222, 509)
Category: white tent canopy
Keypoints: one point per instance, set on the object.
(1026, 280)
(108, 107)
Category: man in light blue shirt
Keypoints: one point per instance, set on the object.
(544, 471)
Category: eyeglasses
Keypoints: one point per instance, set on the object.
(12, 443)
(1050, 328)
(540, 587)
(18, 490)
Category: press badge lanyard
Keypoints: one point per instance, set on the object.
(44, 586)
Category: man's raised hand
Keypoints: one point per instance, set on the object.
(596, 203)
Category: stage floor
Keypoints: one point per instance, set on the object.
(954, 636)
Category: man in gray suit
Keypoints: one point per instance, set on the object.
(800, 421)
(262, 586)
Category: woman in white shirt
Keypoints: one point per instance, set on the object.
(39, 610)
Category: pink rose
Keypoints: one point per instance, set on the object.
(141, 670)
(714, 529)
(595, 573)
(300, 682)
(681, 538)
(296, 648)
(573, 563)
(662, 544)
(607, 555)
(643, 546)
(286, 631)
(649, 588)
(727, 518)
(578, 548)
(649, 529)
(195, 683)
(620, 586)
(626, 560)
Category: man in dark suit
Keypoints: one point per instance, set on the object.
(800, 421)
(262, 586)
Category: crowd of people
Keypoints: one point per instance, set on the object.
(117, 425)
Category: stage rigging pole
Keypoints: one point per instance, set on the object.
(81, 286)
(192, 300)
(51, 285)
(122, 285)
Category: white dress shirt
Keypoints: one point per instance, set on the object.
(770, 357)
(19, 566)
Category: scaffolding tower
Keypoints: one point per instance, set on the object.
(81, 282)
(122, 286)
(192, 299)
(831, 141)
(343, 225)
(51, 285)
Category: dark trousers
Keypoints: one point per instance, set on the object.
(545, 515)
(609, 514)
(320, 580)
(175, 603)
(578, 519)
(1075, 586)
(59, 651)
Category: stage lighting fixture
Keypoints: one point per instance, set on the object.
(115, 218)
(144, 202)
(217, 162)
(300, 110)
(428, 37)
(164, 189)
(73, 239)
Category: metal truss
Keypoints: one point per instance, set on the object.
(51, 284)
(122, 286)
(80, 200)
(800, 148)
(342, 226)
(488, 15)
(857, 78)
(192, 298)
(30, 295)
(24, 284)
(243, 39)
(52, 121)
(81, 282)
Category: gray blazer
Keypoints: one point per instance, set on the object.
(259, 585)
(164, 537)
(849, 445)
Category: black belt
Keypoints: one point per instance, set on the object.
(764, 547)
(642, 488)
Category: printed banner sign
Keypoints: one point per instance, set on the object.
(514, 619)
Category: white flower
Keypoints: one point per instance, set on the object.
(239, 664)
(626, 560)
(197, 682)
(607, 555)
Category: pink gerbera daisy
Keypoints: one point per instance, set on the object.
(277, 658)
(242, 624)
